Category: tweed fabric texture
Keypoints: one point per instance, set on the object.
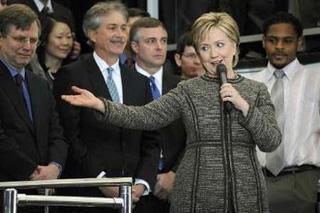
(220, 166)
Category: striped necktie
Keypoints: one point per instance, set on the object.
(154, 89)
(112, 86)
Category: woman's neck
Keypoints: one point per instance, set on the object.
(52, 63)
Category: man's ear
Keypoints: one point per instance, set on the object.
(177, 58)
(263, 42)
(134, 47)
(92, 35)
(300, 42)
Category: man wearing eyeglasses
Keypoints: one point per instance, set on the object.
(32, 145)
(187, 59)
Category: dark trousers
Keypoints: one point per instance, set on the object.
(293, 192)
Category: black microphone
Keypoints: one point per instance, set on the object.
(222, 70)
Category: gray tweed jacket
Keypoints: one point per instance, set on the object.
(220, 166)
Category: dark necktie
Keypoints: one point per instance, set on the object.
(154, 89)
(156, 95)
(24, 93)
(112, 86)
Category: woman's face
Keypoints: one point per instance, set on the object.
(216, 48)
(60, 41)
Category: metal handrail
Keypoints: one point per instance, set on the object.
(62, 183)
(12, 199)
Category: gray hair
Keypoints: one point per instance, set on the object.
(19, 16)
(92, 20)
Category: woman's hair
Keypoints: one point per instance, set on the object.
(48, 23)
(202, 26)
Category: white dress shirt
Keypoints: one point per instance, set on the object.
(158, 76)
(40, 5)
(116, 76)
(301, 134)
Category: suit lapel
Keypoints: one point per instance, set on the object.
(35, 97)
(11, 90)
(96, 79)
(127, 85)
(168, 81)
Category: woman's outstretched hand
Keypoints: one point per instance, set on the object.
(84, 98)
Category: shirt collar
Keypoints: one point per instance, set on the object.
(13, 71)
(157, 75)
(289, 70)
(102, 64)
(40, 5)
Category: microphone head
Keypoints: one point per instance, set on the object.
(221, 68)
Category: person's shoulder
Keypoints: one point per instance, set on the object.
(82, 62)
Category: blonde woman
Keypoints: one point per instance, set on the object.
(219, 171)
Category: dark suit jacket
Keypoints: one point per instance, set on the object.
(24, 145)
(171, 138)
(95, 145)
(58, 10)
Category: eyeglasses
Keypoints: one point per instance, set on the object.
(190, 55)
(24, 40)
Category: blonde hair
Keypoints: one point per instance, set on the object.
(202, 26)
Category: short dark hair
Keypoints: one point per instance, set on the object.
(184, 40)
(137, 12)
(283, 17)
(19, 16)
(145, 22)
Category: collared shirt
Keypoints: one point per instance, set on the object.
(40, 5)
(116, 74)
(13, 72)
(301, 134)
(158, 76)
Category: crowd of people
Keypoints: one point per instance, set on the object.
(197, 139)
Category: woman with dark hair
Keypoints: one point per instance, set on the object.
(55, 47)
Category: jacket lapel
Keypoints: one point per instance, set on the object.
(96, 79)
(11, 90)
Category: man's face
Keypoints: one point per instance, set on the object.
(189, 62)
(151, 49)
(111, 37)
(281, 44)
(19, 46)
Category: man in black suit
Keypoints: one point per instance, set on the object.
(148, 41)
(32, 145)
(95, 146)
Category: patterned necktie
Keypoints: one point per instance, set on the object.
(275, 159)
(24, 93)
(112, 86)
(154, 89)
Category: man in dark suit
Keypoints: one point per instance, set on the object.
(148, 41)
(32, 145)
(95, 146)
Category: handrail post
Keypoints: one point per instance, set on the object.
(10, 201)
(127, 199)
